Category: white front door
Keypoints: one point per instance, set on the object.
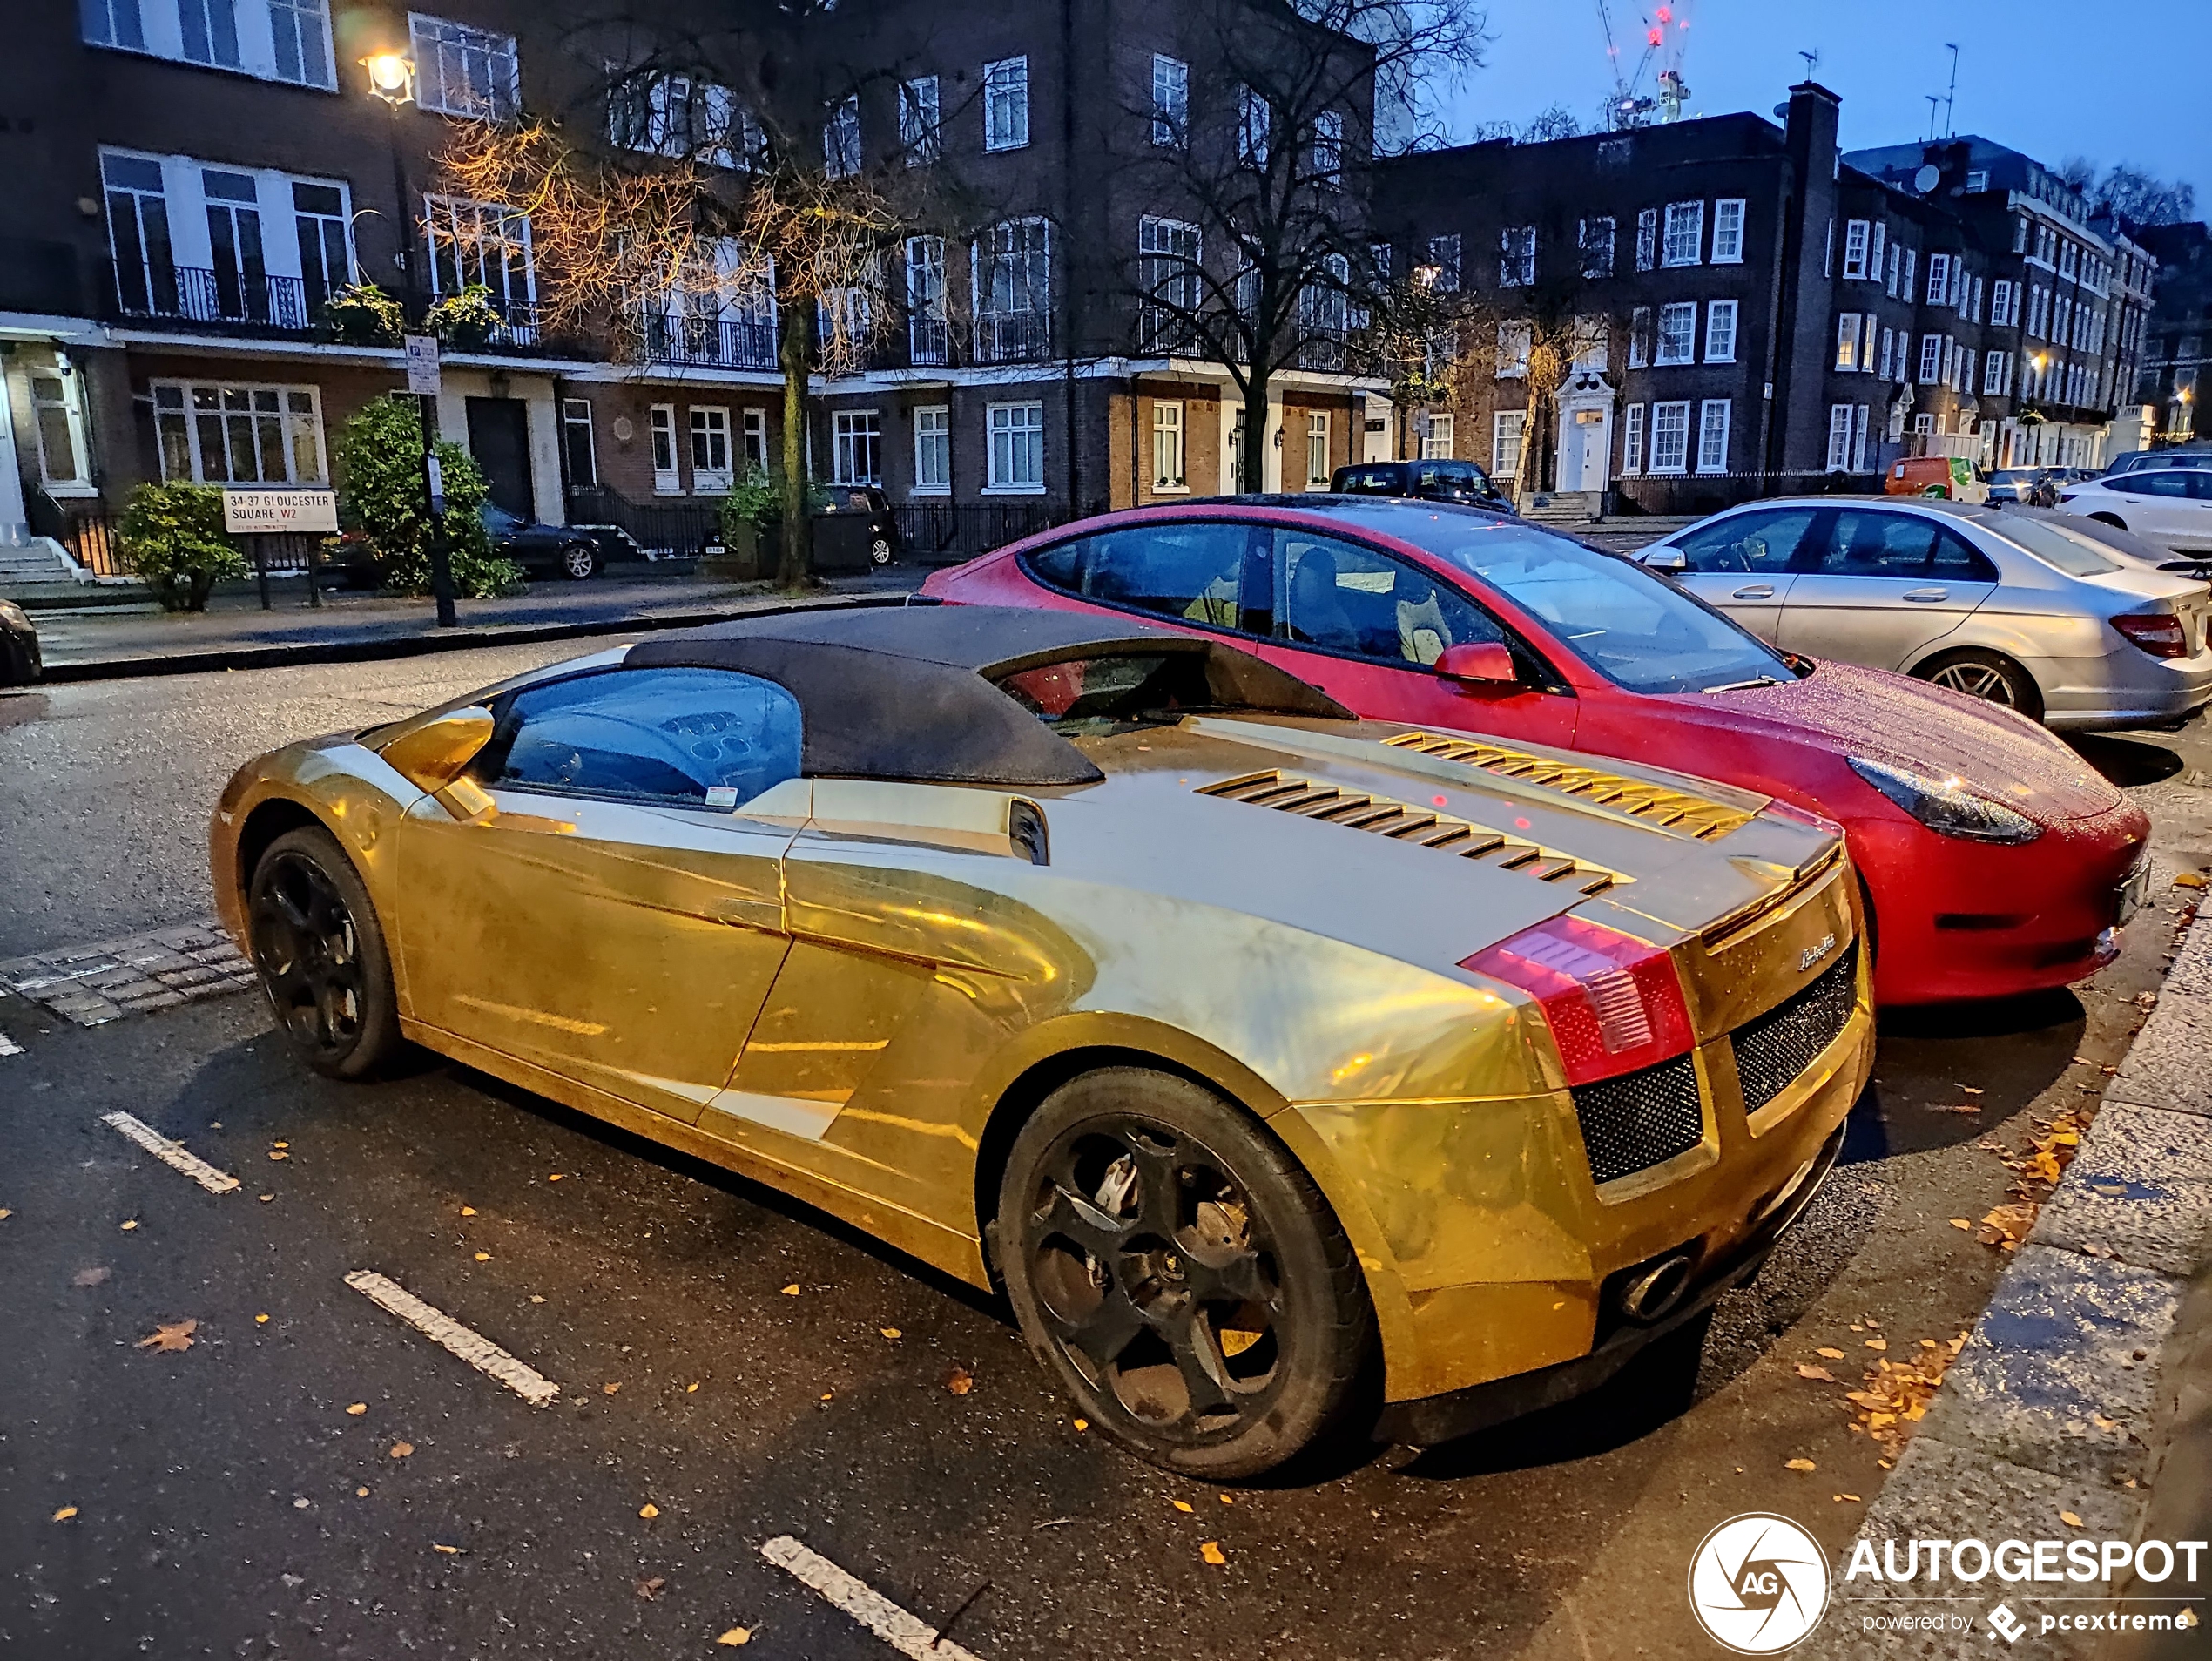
(1585, 448)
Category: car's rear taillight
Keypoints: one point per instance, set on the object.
(2159, 633)
(1614, 1004)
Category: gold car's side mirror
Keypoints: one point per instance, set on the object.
(432, 755)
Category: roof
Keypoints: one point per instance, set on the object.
(909, 692)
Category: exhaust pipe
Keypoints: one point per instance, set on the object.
(1652, 1292)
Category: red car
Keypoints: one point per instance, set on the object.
(1996, 861)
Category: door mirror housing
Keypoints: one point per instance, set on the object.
(1479, 663)
(1666, 559)
(432, 755)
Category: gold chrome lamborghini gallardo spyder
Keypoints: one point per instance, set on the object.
(1277, 1064)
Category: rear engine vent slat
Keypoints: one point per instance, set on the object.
(1418, 826)
(1674, 810)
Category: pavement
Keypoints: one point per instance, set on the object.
(109, 636)
(728, 1370)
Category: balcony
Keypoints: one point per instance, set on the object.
(227, 299)
(928, 342)
(709, 343)
(1013, 337)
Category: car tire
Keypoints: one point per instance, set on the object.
(579, 560)
(321, 953)
(1183, 1275)
(1986, 675)
(2112, 519)
(881, 551)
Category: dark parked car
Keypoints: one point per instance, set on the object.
(20, 664)
(569, 550)
(1437, 481)
(855, 529)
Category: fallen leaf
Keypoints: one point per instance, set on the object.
(555, 1177)
(6, 1214)
(2188, 879)
(1829, 1354)
(174, 1335)
(360, 1493)
(1082, 1424)
(1820, 1374)
(891, 1333)
(483, 1257)
(450, 1551)
(131, 1224)
(401, 1449)
(960, 1380)
(280, 1145)
(1878, 1343)
(1970, 1089)
(2103, 1423)
(792, 1291)
(64, 1514)
(1799, 1464)
(89, 1277)
(649, 1510)
(1228, 1499)
(1183, 1505)
(733, 1637)
(648, 1589)
(265, 1199)
(1211, 1552)
(609, 1389)
(1852, 1499)
(690, 1389)
(261, 1321)
(829, 1395)
(468, 1211)
(278, 1153)
(358, 1409)
(535, 1297)
(2069, 1519)
(1961, 1222)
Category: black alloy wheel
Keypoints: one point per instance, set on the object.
(1181, 1273)
(321, 954)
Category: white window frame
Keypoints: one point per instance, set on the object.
(1930, 364)
(469, 231)
(1938, 279)
(1170, 451)
(1444, 259)
(1508, 440)
(1516, 338)
(841, 153)
(576, 416)
(1720, 331)
(1632, 439)
(1595, 238)
(1728, 231)
(317, 67)
(1441, 434)
(484, 62)
(752, 440)
(1714, 416)
(1516, 256)
(1639, 338)
(1993, 374)
(933, 450)
(1170, 101)
(928, 330)
(1664, 416)
(1647, 239)
(1016, 432)
(705, 425)
(1839, 420)
(78, 480)
(1889, 352)
(1859, 234)
(291, 423)
(1006, 104)
(1684, 240)
(662, 446)
(922, 133)
(1318, 471)
(1858, 427)
(856, 447)
(1682, 348)
(1847, 334)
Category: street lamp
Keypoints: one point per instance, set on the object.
(391, 77)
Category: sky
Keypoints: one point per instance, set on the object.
(2124, 82)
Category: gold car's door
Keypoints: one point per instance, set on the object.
(595, 898)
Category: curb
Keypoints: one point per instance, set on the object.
(375, 649)
(2066, 1396)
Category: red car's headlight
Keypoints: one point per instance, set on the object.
(1614, 1004)
(2159, 633)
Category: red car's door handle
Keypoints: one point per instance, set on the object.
(1754, 591)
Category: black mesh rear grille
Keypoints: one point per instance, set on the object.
(1636, 1121)
(1773, 1049)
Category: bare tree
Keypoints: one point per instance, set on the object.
(724, 173)
(1265, 158)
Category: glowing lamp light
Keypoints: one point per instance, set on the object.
(390, 76)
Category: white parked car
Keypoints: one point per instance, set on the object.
(2171, 506)
(2003, 604)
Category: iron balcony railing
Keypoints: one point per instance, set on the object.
(172, 293)
(928, 342)
(709, 343)
(1013, 337)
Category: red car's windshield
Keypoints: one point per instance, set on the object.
(1633, 628)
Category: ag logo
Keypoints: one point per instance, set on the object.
(1759, 1583)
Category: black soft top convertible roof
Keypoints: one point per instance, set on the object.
(909, 691)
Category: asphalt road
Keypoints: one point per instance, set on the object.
(227, 1503)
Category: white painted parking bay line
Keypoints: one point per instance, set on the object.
(170, 1153)
(865, 1605)
(442, 1329)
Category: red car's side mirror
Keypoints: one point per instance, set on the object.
(1478, 663)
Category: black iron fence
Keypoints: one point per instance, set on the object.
(90, 536)
(662, 529)
(161, 293)
(709, 343)
(1675, 494)
(945, 533)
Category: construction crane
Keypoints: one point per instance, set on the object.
(1665, 36)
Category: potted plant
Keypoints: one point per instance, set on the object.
(360, 313)
(465, 321)
(172, 539)
(750, 504)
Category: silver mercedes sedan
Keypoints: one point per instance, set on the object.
(2006, 606)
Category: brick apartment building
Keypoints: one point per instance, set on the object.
(1758, 312)
(2174, 358)
(191, 179)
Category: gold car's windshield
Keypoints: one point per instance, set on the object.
(1093, 697)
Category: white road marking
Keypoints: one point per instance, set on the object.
(172, 1154)
(442, 1329)
(869, 1607)
(9, 1046)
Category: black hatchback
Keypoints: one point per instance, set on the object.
(1435, 481)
